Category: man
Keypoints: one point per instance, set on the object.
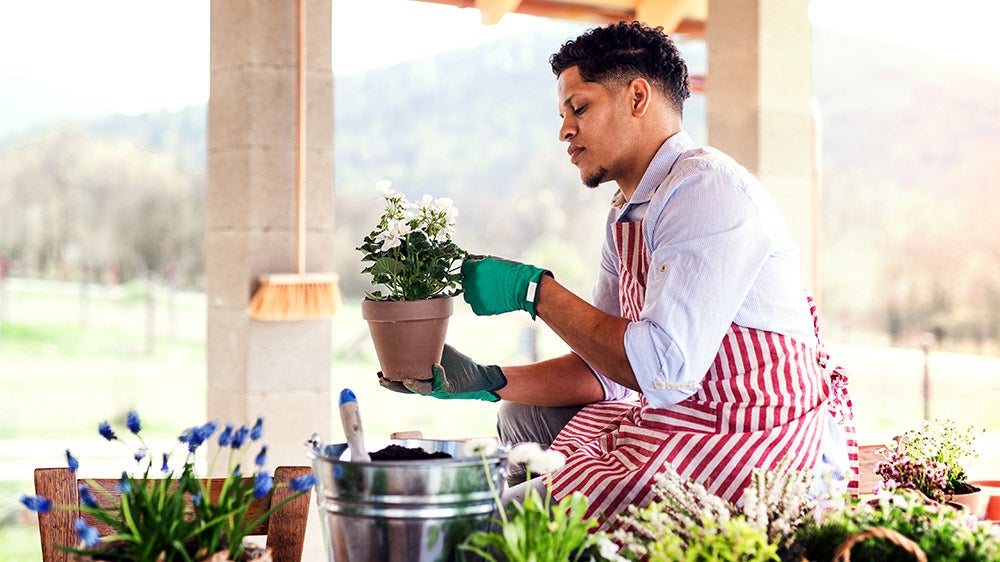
(699, 305)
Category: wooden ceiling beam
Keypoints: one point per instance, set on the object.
(493, 10)
(670, 15)
(688, 19)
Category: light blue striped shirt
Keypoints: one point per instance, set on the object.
(719, 253)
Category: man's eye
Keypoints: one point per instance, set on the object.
(579, 110)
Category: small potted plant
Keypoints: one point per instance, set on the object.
(165, 512)
(931, 459)
(416, 267)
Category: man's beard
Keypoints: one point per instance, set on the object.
(597, 178)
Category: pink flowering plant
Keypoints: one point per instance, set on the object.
(411, 251)
(171, 516)
(930, 459)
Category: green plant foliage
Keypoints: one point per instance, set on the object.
(733, 540)
(538, 529)
(942, 532)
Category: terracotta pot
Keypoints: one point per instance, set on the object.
(992, 489)
(975, 502)
(408, 335)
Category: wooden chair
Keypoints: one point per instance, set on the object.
(285, 529)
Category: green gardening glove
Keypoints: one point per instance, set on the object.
(494, 285)
(456, 378)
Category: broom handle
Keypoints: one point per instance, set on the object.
(300, 163)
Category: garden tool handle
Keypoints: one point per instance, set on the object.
(350, 416)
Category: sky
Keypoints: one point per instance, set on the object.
(132, 56)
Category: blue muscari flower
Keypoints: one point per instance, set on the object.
(302, 483)
(194, 441)
(132, 422)
(258, 429)
(88, 535)
(124, 484)
(196, 499)
(71, 462)
(104, 428)
(208, 430)
(240, 437)
(195, 436)
(38, 504)
(166, 467)
(140, 453)
(226, 436)
(262, 456)
(262, 484)
(86, 497)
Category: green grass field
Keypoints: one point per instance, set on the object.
(70, 358)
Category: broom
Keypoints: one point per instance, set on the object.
(299, 295)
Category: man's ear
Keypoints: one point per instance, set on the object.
(639, 93)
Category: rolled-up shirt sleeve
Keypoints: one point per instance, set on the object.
(707, 244)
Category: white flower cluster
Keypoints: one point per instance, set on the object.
(679, 506)
(774, 501)
(434, 217)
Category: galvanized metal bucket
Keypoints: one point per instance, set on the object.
(404, 511)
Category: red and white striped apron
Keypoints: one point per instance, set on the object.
(761, 400)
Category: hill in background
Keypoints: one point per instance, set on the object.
(907, 147)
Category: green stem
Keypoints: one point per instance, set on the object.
(493, 490)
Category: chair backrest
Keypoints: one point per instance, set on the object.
(868, 459)
(285, 529)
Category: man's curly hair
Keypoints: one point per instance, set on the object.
(621, 52)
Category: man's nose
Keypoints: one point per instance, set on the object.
(567, 131)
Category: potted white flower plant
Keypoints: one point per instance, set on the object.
(416, 271)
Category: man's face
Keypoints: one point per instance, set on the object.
(595, 122)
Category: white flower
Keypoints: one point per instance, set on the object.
(548, 461)
(480, 445)
(608, 550)
(537, 460)
(447, 207)
(392, 236)
(523, 453)
(385, 188)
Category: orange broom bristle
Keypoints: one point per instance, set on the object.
(295, 297)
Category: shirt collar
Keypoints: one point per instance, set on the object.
(659, 168)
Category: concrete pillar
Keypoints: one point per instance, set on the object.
(281, 370)
(759, 87)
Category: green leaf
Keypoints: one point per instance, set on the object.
(388, 266)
